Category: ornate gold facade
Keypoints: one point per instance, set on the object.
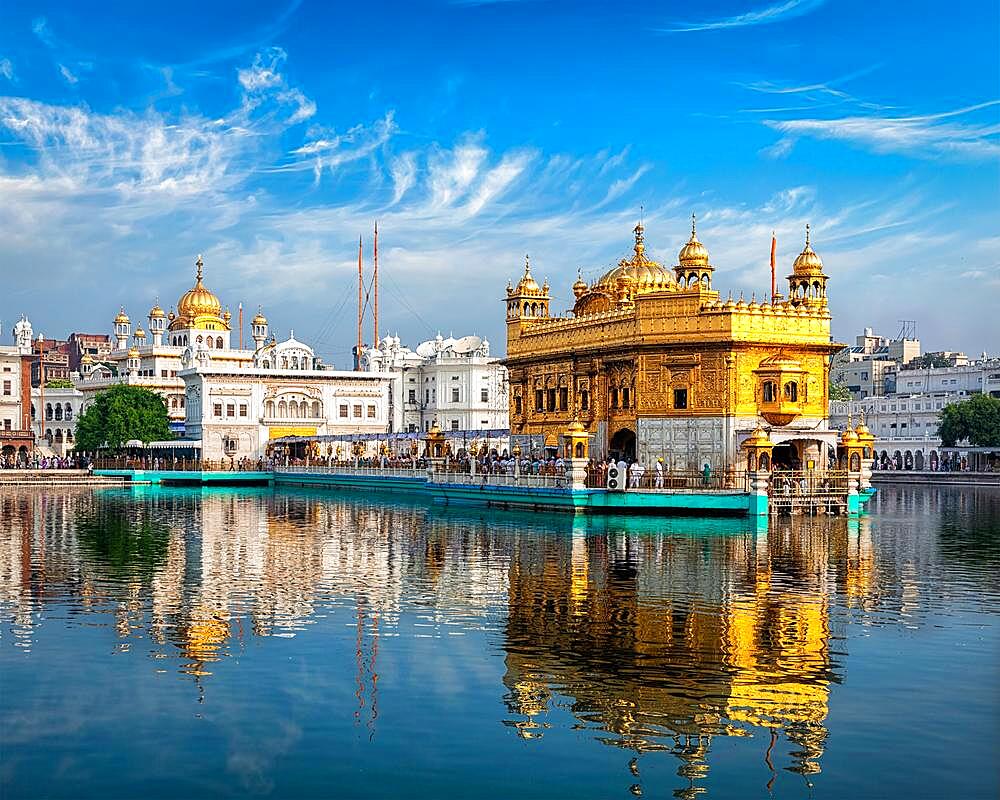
(655, 363)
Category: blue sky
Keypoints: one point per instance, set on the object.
(270, 137)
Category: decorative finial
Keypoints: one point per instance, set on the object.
(638, 230)
(850, 423)
(199, 264)
(861, 415)
(527, 264)
(694, 233)
(807, 234)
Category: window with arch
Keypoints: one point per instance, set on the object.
(316, 409)
(283, 409)
(269, 408)
(266, 364)
(48, 411)
(626, 397)
(218, 342)
(58, 411)
(284, 362)
(295, 362)
(68, 413)
(769, 392)
(199, 340)
(584, 400)
(791, 392)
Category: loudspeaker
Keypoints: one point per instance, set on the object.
(616, 481)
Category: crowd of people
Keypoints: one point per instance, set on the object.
(37, 461)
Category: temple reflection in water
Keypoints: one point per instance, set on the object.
(657, 635)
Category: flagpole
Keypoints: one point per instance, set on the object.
(375, 286)
(774, 244)
(357, 349)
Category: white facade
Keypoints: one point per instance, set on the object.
(236, 413)
(979, 376)
(453, 381)
(861, 369)
(61, 408)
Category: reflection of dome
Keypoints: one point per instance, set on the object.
(198, 301)
(122, 318)
(694, 253)
(808, 262)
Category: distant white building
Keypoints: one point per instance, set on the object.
(61, 408)
(453, 381)
(861, 369)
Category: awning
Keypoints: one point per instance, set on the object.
(177, 444)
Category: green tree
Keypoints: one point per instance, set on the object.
(976, 420)
(838, 392)
(120, 414)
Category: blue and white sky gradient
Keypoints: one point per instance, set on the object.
(270, 136)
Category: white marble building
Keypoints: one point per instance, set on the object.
(453, 381)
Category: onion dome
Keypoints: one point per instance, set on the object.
(639, 270)
(87, 359)
(133, 352)
(156, 312)
(122, 318)
(228, 315)
(576, 426)
(199, 301)
(694, 253)
(527, 284)
(171, 316)
(808, 263)
(580, 285)
(140, 333)
(848, 436)
(260, 319)
(758, 438)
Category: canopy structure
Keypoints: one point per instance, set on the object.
(176, 444)
(478, 433)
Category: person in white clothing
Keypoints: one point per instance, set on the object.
(635, 475)
(659, 473)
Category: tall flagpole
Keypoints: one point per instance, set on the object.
(241, 325)
(774, 244)
(357, 349)
(375, 286)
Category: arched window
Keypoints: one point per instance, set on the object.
(58, 411)
(614, 397)
(210, 342)
(579, 450)
(770, 392)
(765, 462)
(855, 462)
(282, 410)
(293, 408)
(199, 339)
(295, 362)
(269, 408)
(69, 436)
(284, 362)
(316, 409)
(584, 400)
(59, 436)
(68, 414)
(752, 462)
(48, 411)
(815, 289)
(266, 364)
(791, 392)
(625, 397)
(218, 342)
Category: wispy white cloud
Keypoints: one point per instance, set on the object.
(926, 136)
(760, 16)
(40, 27)
(68, 75)
(7, 69)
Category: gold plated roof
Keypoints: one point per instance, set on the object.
(808, 263)
(644, 272)
(122, 318)
(198, 301)
(694, 253)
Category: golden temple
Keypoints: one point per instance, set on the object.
(656, 364)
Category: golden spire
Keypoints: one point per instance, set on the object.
(640, 246)
(694, 253)
(199, 264)
(808, 261)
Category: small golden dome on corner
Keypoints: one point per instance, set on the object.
(156, 312)
(848, 436)
(122, 318)
(260, 319)
(527, 284)
(694, 253)
(576, 426)
(758, 438)
(862, 430)
(133, 352)
(808, 262)
(87, 359)
(140, 333)
(579, 285)
(228, 315)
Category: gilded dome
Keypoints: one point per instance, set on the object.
(808, 262)
(87, 359)
(133, 352)
(198, 301)
(140, 333)
(122, 318)
(641, 271)
(527, 284)
(260, 319)
(580, 285)
(156, 312)
(694, 253)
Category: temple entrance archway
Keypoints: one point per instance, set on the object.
(622, 445)
(785, 456)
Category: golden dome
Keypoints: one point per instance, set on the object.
(156, 312)
(527, 284)
(260, 319)
(580, 285)
(228, 315)
(575, 426)
(198, 301)
(87, 359)
(140, 333)
(641, 271)
(694, 253)
(758, 438)
(808, 262)
(122, 318)
(133, 352)
(848, 436)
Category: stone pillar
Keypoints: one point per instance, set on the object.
(759, 484)
(576, 471)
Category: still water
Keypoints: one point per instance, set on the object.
(168, 643)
